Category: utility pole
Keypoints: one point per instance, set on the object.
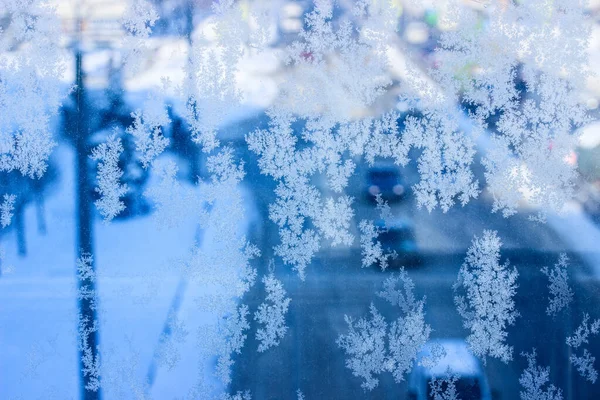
(84, 234)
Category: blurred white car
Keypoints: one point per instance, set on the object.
(471, 383)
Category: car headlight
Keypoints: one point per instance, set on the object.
(374, 190)
(398, 190)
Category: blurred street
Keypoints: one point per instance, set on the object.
(142, 284)
(308, 357)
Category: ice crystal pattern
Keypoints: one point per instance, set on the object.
(108, 175)
(333, 72)
(529, 63)
(147, 130)
(374, 346)
(561, 294)
(584, 363)
(223, 262)
(168, 352)
(371, 249)
(6, 209)
(31, 67)
(485, 297)
(271, 314)
(444, 388)
(535, 381)
(90, 359)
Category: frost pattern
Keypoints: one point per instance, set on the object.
(30, 84)
(138, 20)
(371, 250)
(338, 67)
(220, 264)
(91, 364)
(585, 362)
(229, 340)
(6, 209)
(148, 123)
(526, 159)
(487, 307)
(223, 264)
(585, 365)
(120, 372)
(372, 349)
(168, 353)
(436, 353)
(239, 395)
(171, 199)
(444, 388)
(108, 176)
(86, 274)
(583, 332)
(534, 378)
(561, 294)
(334, 221)
(325, 83)
(323, 70)
(444, 165)
(365, 347)
(402, 297)
(271, 314)
(526, 156)
(211, 90)
(334, 72)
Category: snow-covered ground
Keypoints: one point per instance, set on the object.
(139, 281)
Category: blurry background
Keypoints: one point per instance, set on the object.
(140, 287)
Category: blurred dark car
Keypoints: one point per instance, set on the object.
(398, 235)
(387, 181)
(471, 382)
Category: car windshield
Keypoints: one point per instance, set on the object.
(384, 178)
